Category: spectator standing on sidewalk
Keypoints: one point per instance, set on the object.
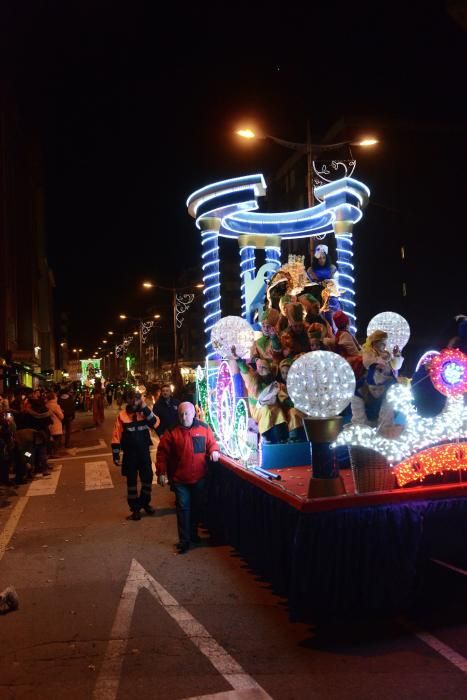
(182, 455)
(57, 415)
(166, 408)
(67, 404)
(131, 434)
(37, 417)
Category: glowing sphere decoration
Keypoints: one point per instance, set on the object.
(321, 384)
(448, 372)
(394, 325)
(229, 331)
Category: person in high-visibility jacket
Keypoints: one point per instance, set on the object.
(131, 434)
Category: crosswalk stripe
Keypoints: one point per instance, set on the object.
(97, 476)
(45, 486)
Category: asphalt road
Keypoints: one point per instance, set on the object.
(109, 610)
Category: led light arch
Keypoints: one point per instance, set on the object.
(228, 209)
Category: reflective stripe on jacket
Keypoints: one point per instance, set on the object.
(131, 431)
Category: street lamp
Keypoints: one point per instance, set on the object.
(309, 149)
(77, 351)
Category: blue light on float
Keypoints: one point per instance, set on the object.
(232, 205)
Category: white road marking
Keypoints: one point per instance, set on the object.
(450, 566)
(109, 677)
(45, 486)
(449, 654)
(100, 445)
(67, 459)
(248, 694)
(10, 526)
(97, 476)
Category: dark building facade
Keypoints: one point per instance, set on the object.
(26, 315)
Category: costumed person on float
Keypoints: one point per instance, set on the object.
(316, 334)
(374, 351)
(313, 315)
(330, 302)
(294, 339)
(131, 434)
(294, 417)
(263, 401)
(369, 405)
(268, 346)
(321, 269)
(283, 320)
(347, 345)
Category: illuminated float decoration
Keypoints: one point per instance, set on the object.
(228, 209)
(448, 372)
(420, 433)
(396, 327)
(321, 384)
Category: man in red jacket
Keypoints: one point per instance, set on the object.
(182, 456)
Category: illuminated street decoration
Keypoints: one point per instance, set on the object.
(432, 461)
(182, 304)
(448, 372)
(90, 369)
(328, 171)
(146, 327)
(123, 347)
(418, 432)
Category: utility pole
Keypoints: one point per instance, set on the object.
(174, 303)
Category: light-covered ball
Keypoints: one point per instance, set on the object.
(232, 331)
(321, 383)
(394, 325)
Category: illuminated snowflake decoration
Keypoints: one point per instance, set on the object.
(394, 325)
(321, 384)
(232, 331)
(448, 372)
(450, 424)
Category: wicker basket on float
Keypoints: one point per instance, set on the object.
(370, 470)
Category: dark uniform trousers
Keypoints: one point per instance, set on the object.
(135, 465)
(131, 434)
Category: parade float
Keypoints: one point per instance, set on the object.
(340, 514)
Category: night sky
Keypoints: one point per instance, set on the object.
(135, 110)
